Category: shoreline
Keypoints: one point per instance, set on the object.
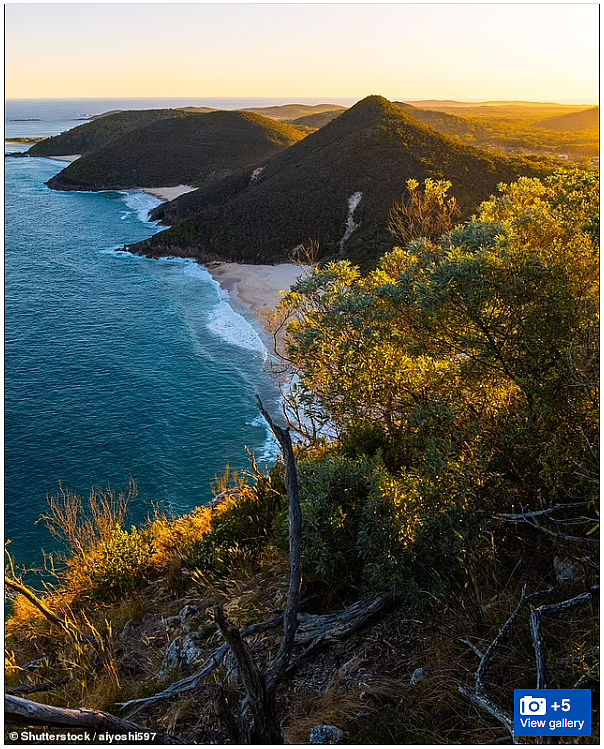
(255, 288)
(165, 194)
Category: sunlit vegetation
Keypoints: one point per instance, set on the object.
(454, 383)
(302, 193)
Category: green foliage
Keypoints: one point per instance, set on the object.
(469, 364)
(303, 192)
(243, 527)
(183, 148)
(366, 528)
(99, 132)
(423, 214)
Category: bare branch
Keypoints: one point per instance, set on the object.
(539, 646)
(19, 711)
(478, 694)
(530, 518)
(537, 513)
(192, 682)
(290, 615)
(23, 590)
(490, 707)
(265, 728)
(36, 688)
(473, 647)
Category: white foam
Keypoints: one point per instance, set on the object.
(234, 329)
(269, 450)
(223, 321)
(119, 251)
(141, 203)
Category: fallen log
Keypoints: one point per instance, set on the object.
(19, 711)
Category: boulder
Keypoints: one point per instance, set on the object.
(326, 735)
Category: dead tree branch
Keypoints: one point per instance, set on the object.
(530, 518)
(36, 688)
(314, 630)
(192, 682)
(478, 694)
(290, 616)
(71, 631)
(264, 728)
(536, 633)
(19, 711)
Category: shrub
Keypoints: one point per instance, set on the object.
(121, 563)
(241, 525)
(366, 529)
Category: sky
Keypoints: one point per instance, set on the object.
(474, 52)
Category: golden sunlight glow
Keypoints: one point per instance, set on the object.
(467, 52)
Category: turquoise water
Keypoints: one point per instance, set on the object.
(115, 366)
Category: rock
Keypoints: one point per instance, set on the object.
(127, 631)
(566, 571)
(326, 735)
(183, 652)
(37, 664)
(172, 656)
(416, 676)
(190, 652)
(188, 610)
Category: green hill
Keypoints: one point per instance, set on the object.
(316, 120)
(504, 109)
(100, 131)
(305, 192)
(188, 148)
(588, 119)
(293, 111)
(449, 124)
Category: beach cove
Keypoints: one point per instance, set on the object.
(117, 366)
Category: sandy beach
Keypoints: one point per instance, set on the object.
(68, 158)
(256, 287)
(167, 193)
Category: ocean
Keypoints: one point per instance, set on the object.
(116, 366)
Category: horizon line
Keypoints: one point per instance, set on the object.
(325, 99)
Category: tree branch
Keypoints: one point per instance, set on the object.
(290, 615)
(265, 727)
(22, 589)
(478, 694)
(192, 682)
(19, 711)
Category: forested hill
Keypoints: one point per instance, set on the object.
(306, 192)
(188, 148)
(588, 119)
(100, 131)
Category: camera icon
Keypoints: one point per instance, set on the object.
(533, 705)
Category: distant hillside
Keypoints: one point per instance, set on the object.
(293, 111)
(188, 148)
(505, 109)
(449, 124)
(317, 120)
(95, 134)
(588, 119)
(514, 128)
(307, 192)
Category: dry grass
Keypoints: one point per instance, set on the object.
(82, 524)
